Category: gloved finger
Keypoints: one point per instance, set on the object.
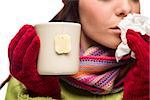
(16, 39)
(47, 86)
(31, 55)
(20, 49)
(137, 44)
(146, 38)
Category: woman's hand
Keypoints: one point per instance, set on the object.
(136, 86)
(23, 52)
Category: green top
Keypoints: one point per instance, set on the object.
(16, 91)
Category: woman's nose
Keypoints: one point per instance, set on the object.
(123, 8)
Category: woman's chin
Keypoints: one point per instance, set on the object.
(113, 45)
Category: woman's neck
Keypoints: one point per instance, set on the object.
(86, 42)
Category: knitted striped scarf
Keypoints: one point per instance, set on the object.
(98, 71)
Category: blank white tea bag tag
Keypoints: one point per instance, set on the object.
(62, 43)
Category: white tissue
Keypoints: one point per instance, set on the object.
(135, 22)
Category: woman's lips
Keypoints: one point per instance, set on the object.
(116, 30)
(115, 27)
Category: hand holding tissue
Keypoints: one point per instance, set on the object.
(134, 22)
(135, 36)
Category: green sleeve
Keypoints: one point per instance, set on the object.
(16, 91)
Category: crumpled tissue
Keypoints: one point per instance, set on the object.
(136, 22)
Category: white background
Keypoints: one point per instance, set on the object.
(15, 13)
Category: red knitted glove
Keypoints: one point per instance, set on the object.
(23, 52)
(136, 85)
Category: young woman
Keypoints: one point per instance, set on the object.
(103, 78)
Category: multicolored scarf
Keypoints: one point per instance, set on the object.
(98, 71)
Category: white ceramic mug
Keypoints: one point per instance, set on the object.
(59, 48)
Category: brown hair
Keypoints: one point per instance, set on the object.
(69, 12)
